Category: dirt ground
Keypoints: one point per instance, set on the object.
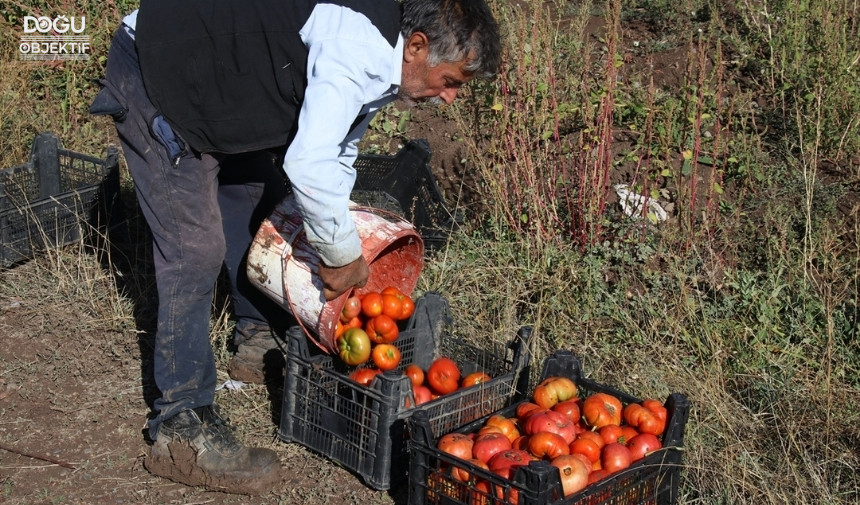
(72, 413)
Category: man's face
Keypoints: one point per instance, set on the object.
(422, 83)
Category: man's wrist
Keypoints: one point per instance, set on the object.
(340, 254)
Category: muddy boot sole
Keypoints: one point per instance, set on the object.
(197, 447)
(178, 462)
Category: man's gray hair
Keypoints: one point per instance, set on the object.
(457, 30)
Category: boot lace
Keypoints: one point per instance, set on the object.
(216, 430)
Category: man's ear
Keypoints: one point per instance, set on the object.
(416, 47)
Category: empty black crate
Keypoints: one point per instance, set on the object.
(54, 198)
(405, 185)
(363, 428)
(651, 480)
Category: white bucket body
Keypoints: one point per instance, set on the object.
(284, 266)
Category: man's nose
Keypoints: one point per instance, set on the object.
(448, 95)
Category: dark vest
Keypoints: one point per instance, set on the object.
(229, 75)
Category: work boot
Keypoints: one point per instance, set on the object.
(259, 358)
(197, 448)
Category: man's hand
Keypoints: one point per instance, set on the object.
(337, 280)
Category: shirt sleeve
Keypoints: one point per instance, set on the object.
(347, 69)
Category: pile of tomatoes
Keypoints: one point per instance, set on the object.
(442, 377)
(368, 327)
(586, 439)
(367, 331)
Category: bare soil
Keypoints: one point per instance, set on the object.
(74, 399)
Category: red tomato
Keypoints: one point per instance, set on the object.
(657, 408)
(351, 309)
(355, 322)
(462, 474)
(611, 433)
(339, 328)
(548, 445)
(591, 466)
(621, 434)
(570, 408)
(505, 464)
(644, 419)
(627, 432)
(382, 329)
(505, 461)
(415, 373)
(587, 448)
(354, 346)
(456, 444)
(443, 376)
(506, 494)
(597, 475)
(552, 421)
(642, 444)
(593, 436)
(371, 304)
(615, 457)
(422, 394)
(525, 408)
(488, 444)
(480, 494)
(553, 390)
(521, 442)
(636, 415)
(386, 356)
(391, 306)
(439, 486)
(474, 378)
(573, 472)
(505, 424)
(601, 409)
(391, 290)
(408, 308)
(490, 429)
(364, 376)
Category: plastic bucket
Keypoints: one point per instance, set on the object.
(284, 266)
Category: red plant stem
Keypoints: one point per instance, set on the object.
(605, 151)
(697, 136)
(505, 169)
(719, 150)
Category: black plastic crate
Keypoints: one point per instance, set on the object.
(363, 428)
(405, 185)
(54, 199)
(651, 480)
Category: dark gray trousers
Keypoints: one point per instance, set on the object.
(203, 211)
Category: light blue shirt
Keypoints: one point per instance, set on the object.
(352, 71)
